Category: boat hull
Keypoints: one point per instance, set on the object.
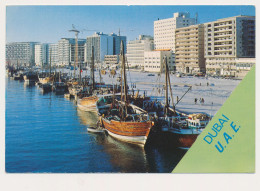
(88, 104)
(132, 132)
(45, 80)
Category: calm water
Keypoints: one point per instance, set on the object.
(46, 133)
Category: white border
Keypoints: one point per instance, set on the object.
(120, 181)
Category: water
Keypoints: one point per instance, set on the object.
(46, 133)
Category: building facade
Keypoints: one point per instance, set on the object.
(22, 53)
(41, 54)
(66, 51)
(103, 44)
(111, 59)
(153, 60)
(226, 40)
(136, 49)
(189, 49)
(117, 43)
(164, 30)
(53, 54)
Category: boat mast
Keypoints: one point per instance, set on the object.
(79, 71)
(123, 77)
(50, 62)
(92, 69)
(166, 85)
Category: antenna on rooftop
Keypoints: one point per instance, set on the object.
(196, 18)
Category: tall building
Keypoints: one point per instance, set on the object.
(189, 49)
(20, 52)
(66, 51)
(226, 40)
(164, 30)
(136, 49)
(103, 44)
(117, 43)
(153, 60)
(41, 54)
(53, 53)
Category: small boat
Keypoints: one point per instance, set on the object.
(59, 87)
(44, 79)
(150, 75)
(30, 77)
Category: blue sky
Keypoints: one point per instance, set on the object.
(50, 23)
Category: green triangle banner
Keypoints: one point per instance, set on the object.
(227, 145)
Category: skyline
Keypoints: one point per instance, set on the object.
(48, 24)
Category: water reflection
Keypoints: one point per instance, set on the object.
(87, 118)
(52, 137)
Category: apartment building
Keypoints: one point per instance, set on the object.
(136, 49)
(226, 40)
(164, 30)
(20, 52)
(189, 49)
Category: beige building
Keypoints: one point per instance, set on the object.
(226, 40)
(153, 60)
(111, 59)
(164, 30)
(189, 49)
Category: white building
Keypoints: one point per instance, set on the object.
(164, 30)
(41, 54)
(53, 54)
(226, 40)
(136, 49)
(153, 60)
(21, 53)
(66, 51)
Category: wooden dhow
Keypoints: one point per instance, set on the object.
(125, 121)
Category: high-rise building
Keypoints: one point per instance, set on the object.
(103, 44)
(136, 49)
(164, 30)
(189, 49)
(41, 54)
(117, 43)
(53, 53)
(21, 53)
(66, 51)
(226, 40)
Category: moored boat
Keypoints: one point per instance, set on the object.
(30, 77)
(125, 121)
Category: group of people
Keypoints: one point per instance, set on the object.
(201, 100)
